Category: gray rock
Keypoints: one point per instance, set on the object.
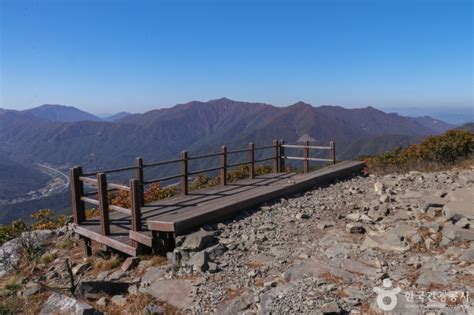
(153, 309)
(10, 251)
(354, 216)
(31, 289)
(199, 261)
(468, 255)
(324, 225)
(216, 251)
(102, 301)
(198, 240)
(152, 274)
(461, 203)
(389, 241)
(81, 268)
(331, 308)
(178, 293)
(174, 257)
(62, 304)
(302, 216)
(237, 305)
(455, 233)
(212, 267)
(355, 228)
(379, 188)
(432, 277)
(119, 300)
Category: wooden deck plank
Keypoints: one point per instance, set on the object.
(180, 221)
(180, 214)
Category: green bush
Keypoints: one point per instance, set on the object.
(433, 153)
(12, 230)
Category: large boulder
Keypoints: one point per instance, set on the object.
(178, 293)
(198, 240)
(10, 251)
(62, 304)
(388, 241)
(461, 204)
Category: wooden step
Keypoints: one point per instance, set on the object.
(118, 241)
(142, 237)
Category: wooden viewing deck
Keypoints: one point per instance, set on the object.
(153, 226)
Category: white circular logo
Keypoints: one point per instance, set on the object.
(387, 299)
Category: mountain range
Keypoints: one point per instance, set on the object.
(30, 137)
(64, 136)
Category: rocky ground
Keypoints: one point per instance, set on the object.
(331, 250)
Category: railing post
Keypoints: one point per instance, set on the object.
(223, 165)
(139, 177)
(282, 156)
(275, 155)
(332, 144)
(184, 173)
(103, 203)
(77, 189)
(251, 160)
(135, 194)
(306, 156)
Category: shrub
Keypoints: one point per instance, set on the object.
(12, 230)
(434, 152)
(47, 220)
(46, 258)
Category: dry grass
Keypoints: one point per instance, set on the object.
(104, 264)
(232, 294)
(330, 278)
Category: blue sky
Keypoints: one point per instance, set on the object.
(109, 56)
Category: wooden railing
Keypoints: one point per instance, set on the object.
(136, 186)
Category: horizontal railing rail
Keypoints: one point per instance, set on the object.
(135, 189)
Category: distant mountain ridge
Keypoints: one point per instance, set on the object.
(61, 113)
(196, 126)
(117, 116)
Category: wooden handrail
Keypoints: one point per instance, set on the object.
(114, 170)
(196, 157)
(304, 158)
(118, 186)
(298, 146)
(161, 163)
(161, 179)
(88, 180)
